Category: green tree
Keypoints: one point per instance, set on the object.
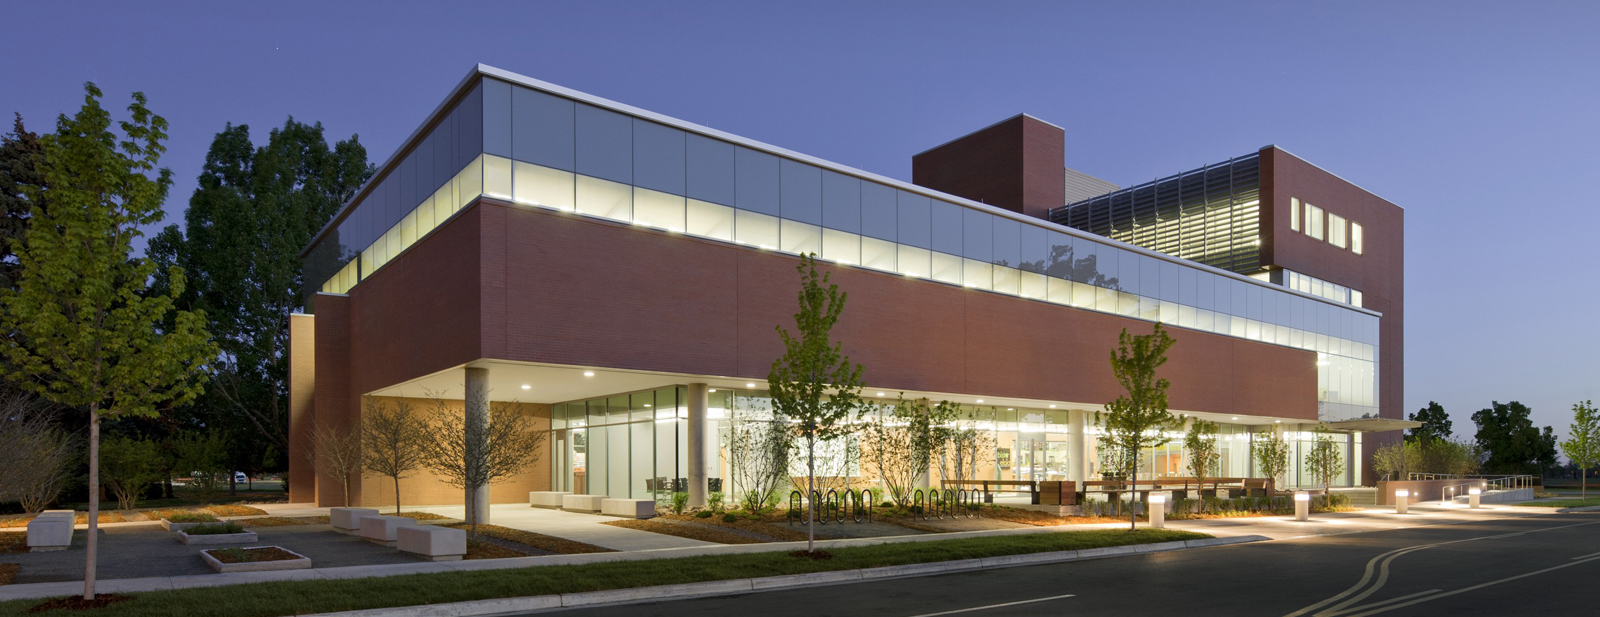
(1397, 460)
(130, 466)
(1200, 444)
(1138, 419)
(254, 210)
(1513, 443)
(83, 328)
(204, 458)
(1435, 424)
(21, 152)
(1325, 461)
(813, 383)
(1583, 442)
(1272, 456)
(395, 441)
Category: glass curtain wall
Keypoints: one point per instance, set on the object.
(628, 446)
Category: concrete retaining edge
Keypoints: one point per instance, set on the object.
(498, 606)
(1578, 509)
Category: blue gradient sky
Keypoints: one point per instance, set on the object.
(1479, 118)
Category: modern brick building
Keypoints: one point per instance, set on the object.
(619, 275)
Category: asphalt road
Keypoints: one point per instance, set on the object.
(1531, 565)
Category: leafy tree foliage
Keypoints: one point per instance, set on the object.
(1514, 445)
(1325, 461)
(21, 153)
(813, 383)
(83, 328)
(1435, 424)
(1397, 460)
(1583, 442)
(1272, 456)
(203, 457)
(758, 453)
(130, 465)
(1139, 418)
(1200, 443)
(254, 210)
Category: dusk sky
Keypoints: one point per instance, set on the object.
(1481, 119)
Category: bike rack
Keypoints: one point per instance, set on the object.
(795, 500)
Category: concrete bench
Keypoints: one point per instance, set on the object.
(546, 499)
(581, 503)
(384, 529)
(628, 508)
(348, 520)
(432, 542)
(51, 530)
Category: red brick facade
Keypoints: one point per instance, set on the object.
(1018, 164)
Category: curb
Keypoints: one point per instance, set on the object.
(1578, 509)
(476, 608)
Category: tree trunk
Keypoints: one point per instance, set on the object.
(233, 485)
(1583, 484)
(397, 495)
(94, 500)
(811, 488)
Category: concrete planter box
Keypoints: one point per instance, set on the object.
(628, 508)
(582, 503)
(546, 499)
(217, 538)
(301, 563)
(51, 530)
(433, 543)
(384, 530)
(171, 526)
(348, 520)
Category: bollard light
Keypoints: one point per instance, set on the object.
(1302, 506)
(1157, 508)
(1401, 496)
(1472, 496)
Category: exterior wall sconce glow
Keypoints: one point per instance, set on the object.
(1401, 497)
(1302, 506)
(1473, 495)
(1157, 510)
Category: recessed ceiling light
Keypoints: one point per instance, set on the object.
(1052, 406)
(980, 400)
(712, 390)
(1236, 417)
(750, 385)
(527, 387)
(588, 373)
(1011, 409)
(880, 394)
(1277, 421)
(646, 404)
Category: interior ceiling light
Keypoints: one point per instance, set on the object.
(712, 390)
(750, 385)
(1052, 406)
(527, 387)
(880, 394)
(588, 373)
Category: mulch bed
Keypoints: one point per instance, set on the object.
(251, 555)
(481, 549)
(8, 572)
(537, 541)
(423, 516)
(235, 510)
(77, 603)
(817, 555)
(685, 529)
(773, 531)
(13, 543)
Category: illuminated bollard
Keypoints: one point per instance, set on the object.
(1472, 496)
(1400, 498)
(1302, 506)
(1157, 509)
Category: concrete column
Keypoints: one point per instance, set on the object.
(696, 437)
(477, 410)
(1350, 459)
(1077, 446)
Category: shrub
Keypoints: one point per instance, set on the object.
(729, 517)
(703, 514)
(190, 517)
(210, 529)
(679, 501)
(714, 501)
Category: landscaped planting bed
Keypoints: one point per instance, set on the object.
(283, 521)
(549, 544)
(13, 542)
(216, 533)
(235, 510)
(320, 596)
(254, 559)
(424, 516)
(8, 572)
(179, 520)
(686, 529)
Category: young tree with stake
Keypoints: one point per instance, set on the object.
(83, 328)
(811, 366)
(1583, 442)
(1272, 455)
(1139, 418)
(1325, 462)
(393, 440)
(1201, 446)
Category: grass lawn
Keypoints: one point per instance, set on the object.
(1563, 503)
(301, 597)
